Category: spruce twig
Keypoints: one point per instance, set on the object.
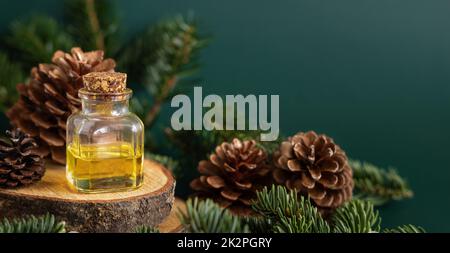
(259, 224)
(288, 212)
(160, 57)
(405, 229)
(10, 75)
(205, 216)
(282, 211)
(32, 224)
(34, 40)
(93, 24)
(378, 185)
(356, 216)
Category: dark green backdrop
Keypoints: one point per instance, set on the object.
(372, 74)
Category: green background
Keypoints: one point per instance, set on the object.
(374, 75)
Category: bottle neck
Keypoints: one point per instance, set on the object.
(107, 108)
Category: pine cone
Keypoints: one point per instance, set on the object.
(51, 96)
(316, 167)
(20, 161)
(233, 174)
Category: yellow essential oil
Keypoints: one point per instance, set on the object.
(104, 167)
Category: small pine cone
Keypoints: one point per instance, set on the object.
(20, 161)
(316, 167)
(233, 174)
(51, 96)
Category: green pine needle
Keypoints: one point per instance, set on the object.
(93, 24)
(10, 75)
(356, 216)
(147, 230)
(288, 213)
(205, 216)
(35, 40)
(277, 199)
(259, 224)
(378, 185)
(161, 53)
(160, 57)
(294, 224)
(31, 224)
(405, 229)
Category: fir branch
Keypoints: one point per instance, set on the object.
(31, 224)
(205, 216)
(378, 185)
(10, 75)
(277, 199)
(293, 224)
(356, 216)
(93, 24)
(289, 214)
(282, 211)
(259, 224)
(405, 229)
(147, 230)
(159, 57)
(36, 39)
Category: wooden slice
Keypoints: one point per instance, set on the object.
(172, 223)
(102, 212)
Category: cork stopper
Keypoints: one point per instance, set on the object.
(105, 82)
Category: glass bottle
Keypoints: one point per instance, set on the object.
(105, 141)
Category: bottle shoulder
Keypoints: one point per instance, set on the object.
(74, 116)
(135, 118)
(84, 121)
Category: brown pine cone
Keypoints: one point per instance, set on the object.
(51, 96)
(20, 161)
(233, 174)
(316, 167)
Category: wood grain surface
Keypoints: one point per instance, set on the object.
(99, 212)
